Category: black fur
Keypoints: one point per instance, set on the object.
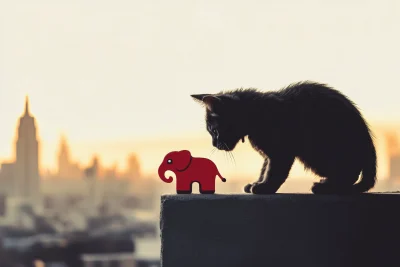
(307, 120)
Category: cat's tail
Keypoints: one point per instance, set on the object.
(368, 178)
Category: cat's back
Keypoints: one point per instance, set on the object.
(317, 108)
(308, 90)
(317, 97)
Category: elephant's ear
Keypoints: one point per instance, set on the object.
(182, 159)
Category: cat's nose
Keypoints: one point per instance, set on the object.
(217, 144)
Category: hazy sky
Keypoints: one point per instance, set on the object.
(123, 70)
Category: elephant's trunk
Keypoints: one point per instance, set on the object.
(161, 172)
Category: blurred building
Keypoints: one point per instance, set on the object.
(133, 170)
(7, 174)
(66, 168)
(21, 179)
(393, 150)
(394, 168)
(109, 260)
(27, 179)
(148, 252)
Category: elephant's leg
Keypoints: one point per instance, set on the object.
(183, 187)
(184, 191)
(277, 173)
(207, 187)
(261, 178)
(206, 190)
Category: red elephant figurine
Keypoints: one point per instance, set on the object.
(188, 170)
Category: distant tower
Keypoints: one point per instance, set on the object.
(64, 163)
(27, 179)
(133, 167)
(393, 150)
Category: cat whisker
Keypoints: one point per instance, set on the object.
(226, 146)
(229, 157)
(219, 147)
(212, 152)
(230, 154)
(233, 158)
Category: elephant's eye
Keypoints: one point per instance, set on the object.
(169, 161)
(215, 131)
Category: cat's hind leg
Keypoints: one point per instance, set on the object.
(278, 170)
(261, 178)
(335, 185)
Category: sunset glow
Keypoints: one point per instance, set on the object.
(117, 77)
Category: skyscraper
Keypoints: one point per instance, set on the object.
(27, 179)
(66, 167)
(63, 158)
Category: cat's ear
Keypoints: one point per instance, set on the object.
(210, 101)
(207, 99)
(199, 97)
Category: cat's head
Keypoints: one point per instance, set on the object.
(223, 119)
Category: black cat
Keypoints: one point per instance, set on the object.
(309, 121)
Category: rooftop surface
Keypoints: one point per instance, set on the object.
(280, 230)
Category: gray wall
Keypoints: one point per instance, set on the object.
(280, 230)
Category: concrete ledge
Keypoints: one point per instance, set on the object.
(281, 230)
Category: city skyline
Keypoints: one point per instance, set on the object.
(66, 167)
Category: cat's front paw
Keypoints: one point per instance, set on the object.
(247, 188)
(263, 189)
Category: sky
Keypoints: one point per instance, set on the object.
(112, 74)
